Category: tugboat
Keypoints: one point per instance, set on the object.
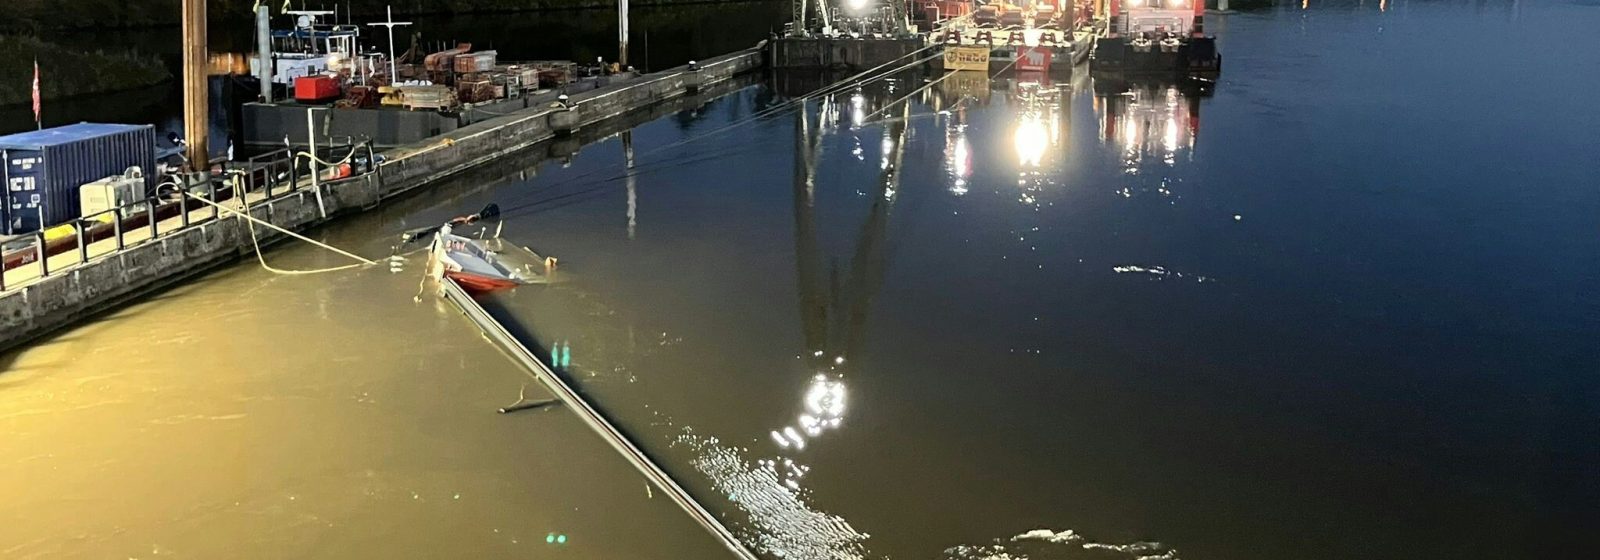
(313, 48)
(1157, 36)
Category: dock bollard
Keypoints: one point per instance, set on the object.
(691, 78)
(564, 117)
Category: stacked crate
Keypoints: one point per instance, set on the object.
(555, 73)
(438, 98)
(478, 88)
(476, 62)
(516, 79)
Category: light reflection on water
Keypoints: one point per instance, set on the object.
(1397, 350)
(781, 521)
(765, 479)
(1153, 121)
(1086, 312)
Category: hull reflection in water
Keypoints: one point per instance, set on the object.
(1155, 120)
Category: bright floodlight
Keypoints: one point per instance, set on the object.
(857, 5)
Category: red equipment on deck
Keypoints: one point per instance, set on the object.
(1033, 59)
(316, 89)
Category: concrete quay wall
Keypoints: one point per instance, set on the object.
(79, 292)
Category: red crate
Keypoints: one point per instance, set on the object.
(315, 88)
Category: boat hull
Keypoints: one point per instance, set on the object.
(1195, 56)
(476, 284)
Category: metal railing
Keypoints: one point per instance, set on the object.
(280, 170)
(271, 176)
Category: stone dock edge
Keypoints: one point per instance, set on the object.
(109, 281)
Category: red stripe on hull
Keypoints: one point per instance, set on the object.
(477, 285)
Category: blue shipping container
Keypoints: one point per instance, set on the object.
(43, 169)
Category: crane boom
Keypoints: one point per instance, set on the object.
(801, 9)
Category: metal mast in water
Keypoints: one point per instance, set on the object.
(592, 416)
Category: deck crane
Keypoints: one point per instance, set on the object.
(865, 16)
(799, 25)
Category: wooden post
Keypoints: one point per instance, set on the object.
(196, 95)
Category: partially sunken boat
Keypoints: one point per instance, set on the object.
(485, 266)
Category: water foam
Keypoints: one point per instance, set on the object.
(1160, 273)
(1047, 544)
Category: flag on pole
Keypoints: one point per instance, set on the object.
(37, 108)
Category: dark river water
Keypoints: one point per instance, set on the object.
(1340, 304)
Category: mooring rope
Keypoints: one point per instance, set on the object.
(252, 220)
(313, 157)
(262, 259)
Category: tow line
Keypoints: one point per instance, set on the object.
(596, 421)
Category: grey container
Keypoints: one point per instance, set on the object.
(42, 169)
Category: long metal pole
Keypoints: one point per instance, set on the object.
(196, 96)
(622, 34)
(633, 193)
(394, 73)
(311, 141)
(594, 419)
(264, 51)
